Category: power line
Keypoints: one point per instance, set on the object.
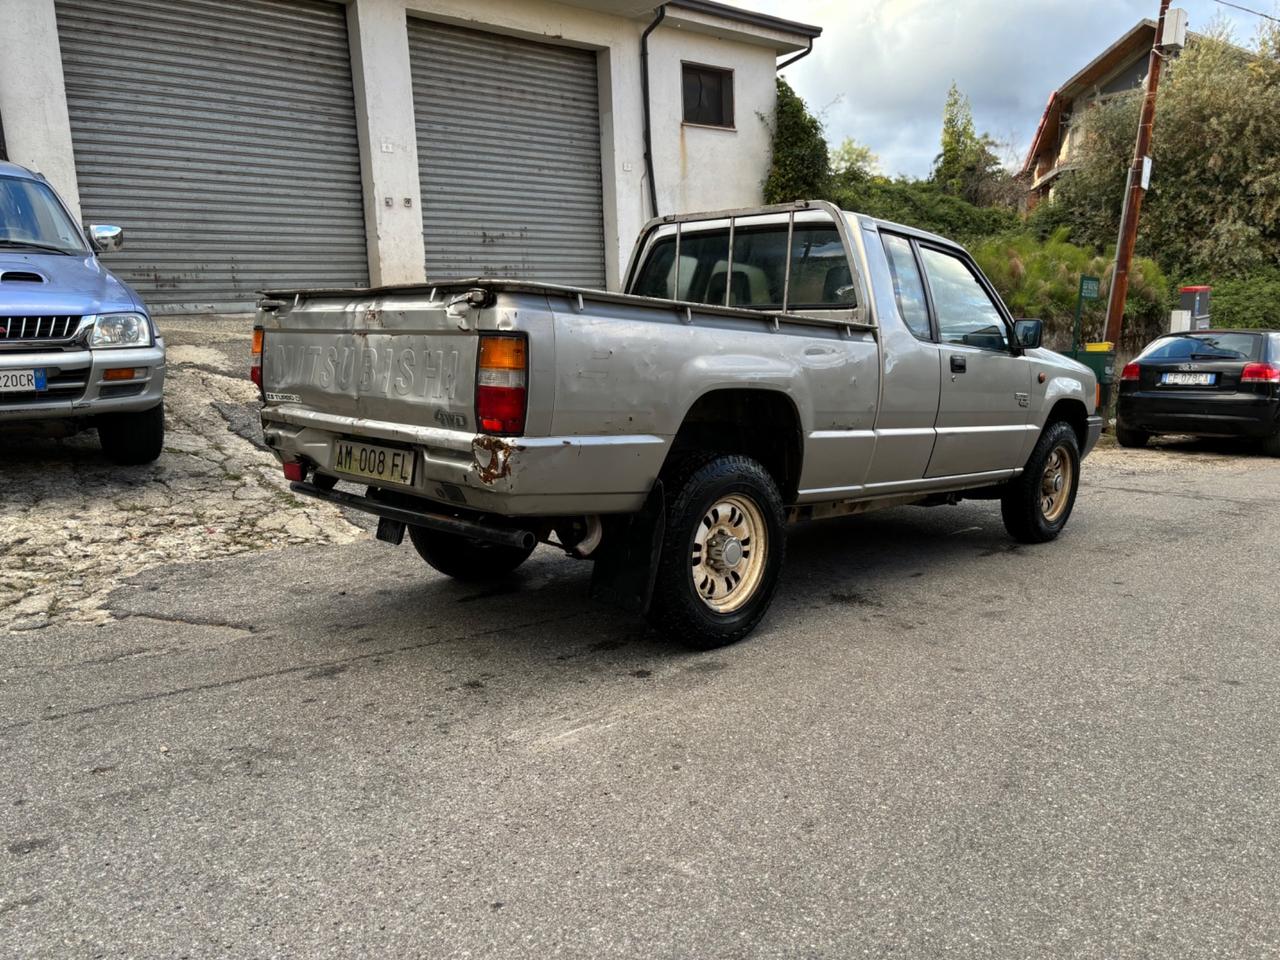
(1265, 16)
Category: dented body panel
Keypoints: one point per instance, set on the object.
(612, 378)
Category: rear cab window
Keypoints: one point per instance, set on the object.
(1206, 346)
(803, 268)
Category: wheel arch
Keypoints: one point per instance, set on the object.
(1074, 413)
(756, 422)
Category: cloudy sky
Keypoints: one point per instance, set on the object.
(880, 70)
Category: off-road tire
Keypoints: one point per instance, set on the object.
(1131, 438)
(1022, 505)
(1271, 445)
(696, 486)
(130, 439)
(472, 561)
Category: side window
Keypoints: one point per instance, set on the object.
(708, 95)
(965, 313)
(908, 288)
(820, 275)
(704, 261)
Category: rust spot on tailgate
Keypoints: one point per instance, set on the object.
(494, 457)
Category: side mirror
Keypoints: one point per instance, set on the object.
(106, 238)
(1029, 333)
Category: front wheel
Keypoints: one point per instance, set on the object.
(130, 439)
(473, 561)
(1037, 504)
(721, 554)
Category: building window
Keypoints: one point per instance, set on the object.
(708, 95)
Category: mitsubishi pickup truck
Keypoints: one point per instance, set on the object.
(762, 367)
(78, 349)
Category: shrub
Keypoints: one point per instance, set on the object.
(801, 167)
(1251, 302)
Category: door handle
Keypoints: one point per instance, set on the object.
(959, 364)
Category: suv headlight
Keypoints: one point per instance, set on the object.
(120, 330)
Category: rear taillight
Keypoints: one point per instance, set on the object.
(502, 381)
(1131, 371)
(1261, 373)
(255, 364)
(295, 470)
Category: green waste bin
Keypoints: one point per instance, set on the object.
(1101, 359)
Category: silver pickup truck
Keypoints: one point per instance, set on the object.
(763, 366)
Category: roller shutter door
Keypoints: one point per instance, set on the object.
(222, 137)
(509, 156)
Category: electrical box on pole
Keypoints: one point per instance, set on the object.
(1174, 36)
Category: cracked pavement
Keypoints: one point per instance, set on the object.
(73, 525)
(939, 743)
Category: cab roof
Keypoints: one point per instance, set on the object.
(8, 169)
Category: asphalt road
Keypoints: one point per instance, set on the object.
(938, 744)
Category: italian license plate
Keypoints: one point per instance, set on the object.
(1189, 379)
(23, 381)
(374, 462)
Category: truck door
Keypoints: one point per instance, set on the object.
(983, 411)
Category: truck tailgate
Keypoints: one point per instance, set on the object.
(412, 365)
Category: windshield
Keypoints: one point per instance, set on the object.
(1205, 346)
(31, 218)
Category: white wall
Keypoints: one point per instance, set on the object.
(33, 95)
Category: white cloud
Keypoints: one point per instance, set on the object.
(880, 71)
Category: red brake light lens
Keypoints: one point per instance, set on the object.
(1261, 373)
(255, 364)
(295, 470)
(1131, 371)
(502, 385)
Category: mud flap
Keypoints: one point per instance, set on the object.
(626, 562)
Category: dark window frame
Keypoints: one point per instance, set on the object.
(727, 103)
(1011, 341)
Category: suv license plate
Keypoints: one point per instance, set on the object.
(1188, 379)
(374, 462)
(23, 381)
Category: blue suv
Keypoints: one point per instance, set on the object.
(78, 349)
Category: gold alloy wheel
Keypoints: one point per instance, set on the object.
(1056, 483)
(728, 554)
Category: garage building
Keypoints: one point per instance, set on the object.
(278, 143)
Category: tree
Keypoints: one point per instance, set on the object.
(853, 161)
(1213, 210)
(801, 167)
(967, 165)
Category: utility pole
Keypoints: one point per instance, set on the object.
(1135, 188)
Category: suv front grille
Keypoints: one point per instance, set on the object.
(37, 328)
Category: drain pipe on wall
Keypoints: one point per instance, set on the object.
(799, 56)
(644, 93)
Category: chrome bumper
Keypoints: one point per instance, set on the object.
(511, 476)
(76, 384)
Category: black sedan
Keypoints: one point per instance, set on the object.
(1210, 383)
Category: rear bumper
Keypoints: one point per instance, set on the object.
(77, 389)
(1233, 415)
(511, 476)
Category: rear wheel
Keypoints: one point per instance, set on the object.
(1127, 437)
(473, 561)
(130, 439)
(1036, 505)
(721, 554)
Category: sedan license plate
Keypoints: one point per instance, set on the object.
(24, 381)
(374, 462)
(1188, 379)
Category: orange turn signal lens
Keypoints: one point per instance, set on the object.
(503, 353)
(120, 373)
(257, 341)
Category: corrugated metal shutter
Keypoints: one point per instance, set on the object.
(509, 156)
(222, 137)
